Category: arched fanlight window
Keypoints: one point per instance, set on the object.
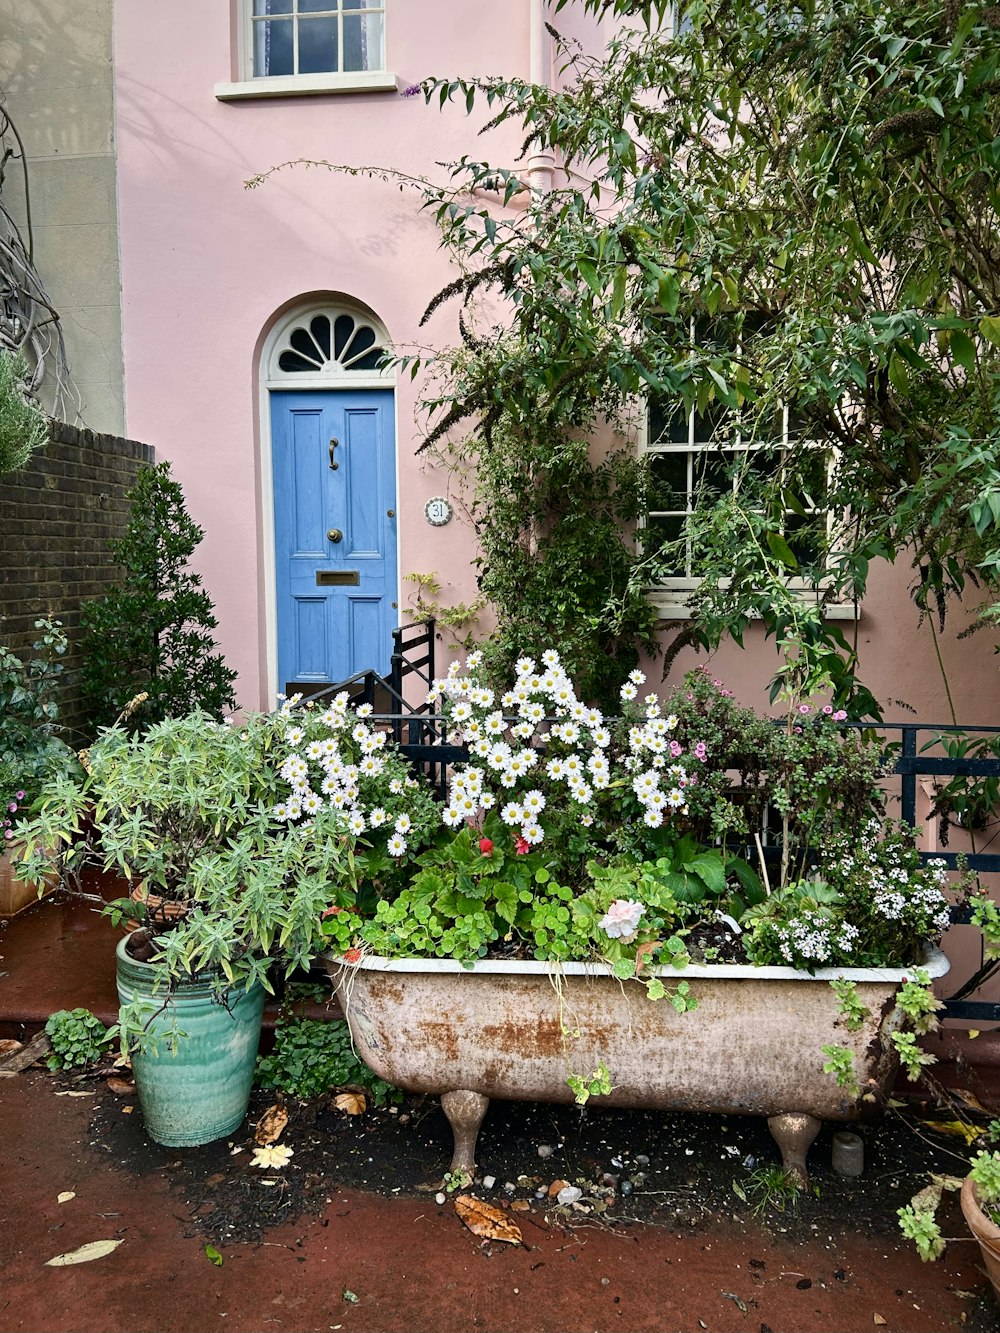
(329, 343)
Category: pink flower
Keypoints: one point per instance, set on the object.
(12, 807)
(8, 833)
(486, 846)
(522, 846)
(828, 709)
(622, 919)
(19, 796)
(700, 751)
(676, 748)
(840, 715)
(332, 911)
(804, 708)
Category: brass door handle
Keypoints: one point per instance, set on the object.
(335, 535)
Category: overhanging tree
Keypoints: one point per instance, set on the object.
(786, 207)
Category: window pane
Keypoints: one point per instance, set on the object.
(320, 330)
(272, 6)
(272, 47)
(803, 536)
(660, 530)
(318, 6)
(670, 480)
(711, 422)
(712, 474)
(363, 42)
(317, 46)
(668, 422)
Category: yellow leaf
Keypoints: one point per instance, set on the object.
(97, 1249)
(878, 1319)
(958, 1129)
(483, 1219)
(353, 1103)
(271, 1124)
(268, 1157)
(66, 1196)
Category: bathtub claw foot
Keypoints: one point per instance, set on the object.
(794, 1133)
(465, 1111)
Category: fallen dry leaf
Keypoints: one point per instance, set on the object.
(483, 1219)
(877, 1319)
(556, 1186)
(970, 1100)
(271, 1125)
(956, 1128)
(277, 1156)
(74, 1094)
(124, 1087)
(66, 1196)
(351, 1102)
(8, 1046)
(127, 1110)
(96, 1249)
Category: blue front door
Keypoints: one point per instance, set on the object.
(334, 533)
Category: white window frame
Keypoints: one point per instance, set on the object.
(247, 84)
(670, 595)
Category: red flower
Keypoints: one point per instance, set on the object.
(486, 846)
(333, 911)
(522, 846)
(352, 955)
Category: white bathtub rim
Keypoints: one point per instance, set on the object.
(935, 964)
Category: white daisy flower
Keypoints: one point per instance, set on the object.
(378, 817)
(532, 833)
(356, 824)
(396, 845)
(512, 814)
(404, 823)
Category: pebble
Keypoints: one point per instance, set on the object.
(642, 1160)
(545, 1150)
(617, 1161)
(439, 1198)
(626, 1187)
(489, 1182)
(509, 1186)
(404, 1119)
(571, 1194)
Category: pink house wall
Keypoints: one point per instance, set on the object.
(208, 265)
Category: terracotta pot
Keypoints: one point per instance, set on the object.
(158, 910)
(513, 1030)
(17, 894)
(985, 1231)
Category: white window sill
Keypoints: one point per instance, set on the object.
(304, 85)
(671, 604)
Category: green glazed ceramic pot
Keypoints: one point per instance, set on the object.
(201, 1091)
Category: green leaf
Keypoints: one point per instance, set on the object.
(963, 349)
(781, 550)
(989, 327)
(213, 1256)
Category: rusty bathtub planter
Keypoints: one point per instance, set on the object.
(514, 1030)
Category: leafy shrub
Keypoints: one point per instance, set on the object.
(311, 1056)
(78, 1038)
(23, 427)
(30, 751)
(155, 633)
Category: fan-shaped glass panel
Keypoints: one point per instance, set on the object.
(331, 345)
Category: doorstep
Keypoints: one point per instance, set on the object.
(60, 954)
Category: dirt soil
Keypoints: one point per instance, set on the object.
(690, 1175)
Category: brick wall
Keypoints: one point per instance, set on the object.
(57, 516)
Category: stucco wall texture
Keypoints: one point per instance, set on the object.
(58, 83)
(208, 266)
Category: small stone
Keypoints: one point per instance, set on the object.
(609, 1179)
(439, 1198)
(617, 1161)
(509, 1186)
(605, 1282)
(688, 1152)
(404, 1119)
(556, 1186)
(489, 1182)
(545, 1150)
(570, 1194)
(626, 1187)
(642, 1160)
(541, 1192)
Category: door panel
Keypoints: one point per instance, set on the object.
(335, 542)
